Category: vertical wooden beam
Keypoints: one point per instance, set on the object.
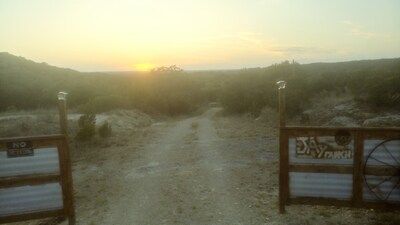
(358, 180)
(283, 150)
(62, 109)
(282, 103)
(65, 161)
(283, 171)
(69, 191)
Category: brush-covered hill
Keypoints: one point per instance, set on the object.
(373, 82)
(25, 84)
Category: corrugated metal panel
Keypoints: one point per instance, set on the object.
(382, 154)
(44, 161)
(25, 199)
(386, 155)
(338, 186)
(383, 190)
(293, 159)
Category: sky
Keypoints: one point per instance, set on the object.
(122, 35)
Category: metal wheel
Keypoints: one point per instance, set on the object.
(382, 169)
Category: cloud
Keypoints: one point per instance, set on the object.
(236, 43)
(302, 50)
(296, 49)
(358, 30)
(269, 2)
(250, 38)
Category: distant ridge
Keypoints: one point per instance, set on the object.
(12, 60)
(25, 84)
(369, 64)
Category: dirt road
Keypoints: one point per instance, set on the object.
(183, 178)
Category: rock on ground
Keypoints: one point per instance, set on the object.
(383, 121)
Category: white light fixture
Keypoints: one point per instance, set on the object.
(62, 95)
(281, 84)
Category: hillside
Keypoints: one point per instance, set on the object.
(25, 84)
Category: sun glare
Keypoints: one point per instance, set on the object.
(144, 67)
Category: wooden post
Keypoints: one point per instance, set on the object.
(282, 104)
(66, 164)
(358, 169)
(62, 108)
(283, 167)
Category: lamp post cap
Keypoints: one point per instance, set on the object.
(61, 95)
(281, 84)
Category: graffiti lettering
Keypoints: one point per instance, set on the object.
(311, 147)
(340, 154)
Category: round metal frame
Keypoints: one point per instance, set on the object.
(391, 170)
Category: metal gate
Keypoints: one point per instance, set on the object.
(35, 176)
(358, 167)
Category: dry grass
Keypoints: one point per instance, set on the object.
(29, 125)
(194, 125)
(239, 127)
(192, 135)
(328, 100)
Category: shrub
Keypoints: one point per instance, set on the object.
(87, 127)
(253, 89)
(105, 130)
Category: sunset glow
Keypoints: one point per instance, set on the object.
(144, 67)
(208, 34)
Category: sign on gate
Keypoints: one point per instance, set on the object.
(19, 148)
(322, 147)
(35, 177)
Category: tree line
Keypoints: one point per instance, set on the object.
(25, 84)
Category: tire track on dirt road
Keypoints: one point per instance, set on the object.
(183, 178)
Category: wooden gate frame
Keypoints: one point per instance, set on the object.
(64, 178)
(356, 169)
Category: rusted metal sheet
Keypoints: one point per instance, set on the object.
(28, 199)
(311, 148)
(320, 185)
(43, 161)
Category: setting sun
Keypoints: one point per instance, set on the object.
(144, 67)
(197, 35)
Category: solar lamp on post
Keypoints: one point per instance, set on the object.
(62, 108)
